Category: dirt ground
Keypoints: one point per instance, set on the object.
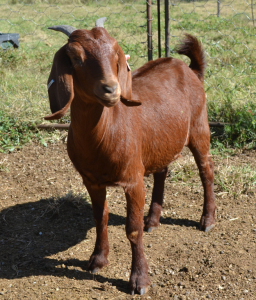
(47, 234)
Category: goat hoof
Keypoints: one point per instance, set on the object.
(208, 228)
(141, 292)
(96, 263)
(207, 223)
(139, 282)
(94, 271)
(151, 223)
(150, 229)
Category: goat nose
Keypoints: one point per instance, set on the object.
(109, 89)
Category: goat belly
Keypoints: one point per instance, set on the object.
(163, 144)
(97, 181)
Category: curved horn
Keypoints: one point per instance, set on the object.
(100, 22)
(66, 29)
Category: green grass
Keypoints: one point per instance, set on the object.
(13, 133)
(232, 175)
(229, 42)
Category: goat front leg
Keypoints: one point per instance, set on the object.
(135, 196)
(98, 258)
(152, 220)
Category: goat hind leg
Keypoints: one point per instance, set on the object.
(152, 220)
(205, 166)
(98, 258)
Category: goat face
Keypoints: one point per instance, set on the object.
(92, 67)
(95, 59)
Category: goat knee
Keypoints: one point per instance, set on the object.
(133, 236)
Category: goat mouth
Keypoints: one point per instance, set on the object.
(108, 102)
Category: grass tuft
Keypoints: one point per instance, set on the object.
(14, 134)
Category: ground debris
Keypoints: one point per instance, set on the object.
(47, 233)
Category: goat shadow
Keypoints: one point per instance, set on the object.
(31, 232)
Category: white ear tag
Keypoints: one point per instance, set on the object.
(127, 56)
(50, 83)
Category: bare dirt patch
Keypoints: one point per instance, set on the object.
(47, 232)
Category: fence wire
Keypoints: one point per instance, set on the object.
(24, 71)
(226, 29)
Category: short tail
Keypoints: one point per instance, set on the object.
(191, 47)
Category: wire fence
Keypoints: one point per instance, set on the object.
(228, 33)
(226, 29)
(24, 71)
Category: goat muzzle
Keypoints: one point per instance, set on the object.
(107, 93)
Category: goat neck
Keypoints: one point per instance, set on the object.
(98, 126)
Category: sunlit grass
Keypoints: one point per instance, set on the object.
(229, 42)
(25, 71)
(231, 176)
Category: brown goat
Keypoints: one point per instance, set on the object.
(113, 140)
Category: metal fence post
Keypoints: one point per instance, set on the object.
(218, 8)
(149, 29)
(252, 12)
(167, 31)
(159, 28)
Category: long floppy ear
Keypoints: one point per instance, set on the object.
(125, 80)
(60, 85)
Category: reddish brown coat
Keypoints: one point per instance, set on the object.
(113, 140)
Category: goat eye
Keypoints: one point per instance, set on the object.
(118, 67)
(77, 62)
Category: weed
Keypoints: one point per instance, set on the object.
(4, 165)
(77, 199)
(241, 129)
(241, 178)
(14, 134)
